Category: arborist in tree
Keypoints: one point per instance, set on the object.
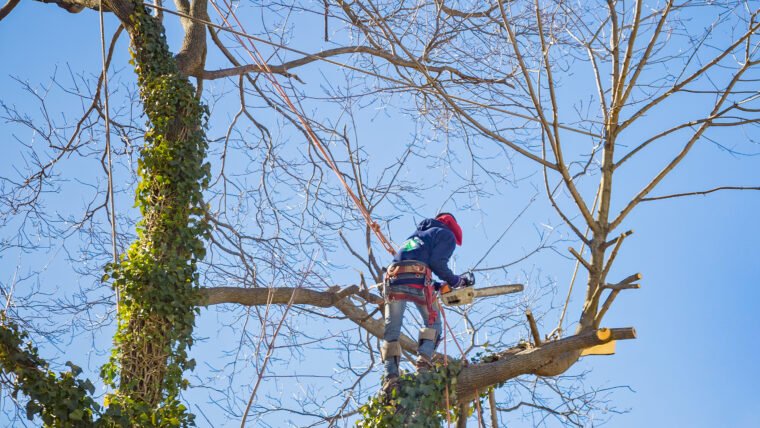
(409, 279)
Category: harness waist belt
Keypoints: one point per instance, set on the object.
(407, 267)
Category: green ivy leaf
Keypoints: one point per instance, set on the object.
(75, 369)
(77, 415)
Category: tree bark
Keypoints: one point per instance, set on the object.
(335, 297)
(533, 361)
(275, 295)
(191, 58)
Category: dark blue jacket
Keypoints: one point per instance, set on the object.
(433, 244)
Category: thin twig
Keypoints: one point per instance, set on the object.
(270, 347)
(106, 106)
(615, 250)
(701, 192)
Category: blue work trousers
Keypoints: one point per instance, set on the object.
(394, 317)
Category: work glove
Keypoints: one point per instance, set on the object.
(468, 278)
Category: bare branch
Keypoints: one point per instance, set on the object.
(284, 68)
(553, 137)
(621, 286)
(614, 241)
(533, 328)
(679, 86)
(606, 306)
(7, 8)
(611, 259)
(461, 14)
(580, 258)
(701, 192)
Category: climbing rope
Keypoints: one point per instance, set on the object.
(480, 411)
(446, 326)
(258, 59)
(446, 364)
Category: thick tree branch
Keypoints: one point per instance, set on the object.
(335, 297)
(5, 10)
(191, 57)
(463, 14)
(276, 295)
(76, 6)
(531, 361)
(533, 328)
(580, 258)
(606, 306)
(613, 255)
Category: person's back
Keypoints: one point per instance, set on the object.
(433, 243)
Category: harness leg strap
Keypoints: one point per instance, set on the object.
(428, 334)
(390, 349)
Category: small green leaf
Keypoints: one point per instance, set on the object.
(76, 415)
(75, 369)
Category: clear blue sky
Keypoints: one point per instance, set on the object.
(694, 363)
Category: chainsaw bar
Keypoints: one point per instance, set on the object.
(465, 295)
(498, 290)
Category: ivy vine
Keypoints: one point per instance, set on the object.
(157, 276)
(59, 399)
(418, 402)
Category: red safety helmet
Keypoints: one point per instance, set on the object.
(451, 222)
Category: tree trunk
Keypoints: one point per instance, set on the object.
(157, 275)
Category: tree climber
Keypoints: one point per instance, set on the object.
(409, 279)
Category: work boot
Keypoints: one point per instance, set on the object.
(391, 384)
(423, 364)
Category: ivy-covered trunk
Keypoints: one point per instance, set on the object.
(157, 277)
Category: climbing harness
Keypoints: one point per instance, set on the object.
(401, 278)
